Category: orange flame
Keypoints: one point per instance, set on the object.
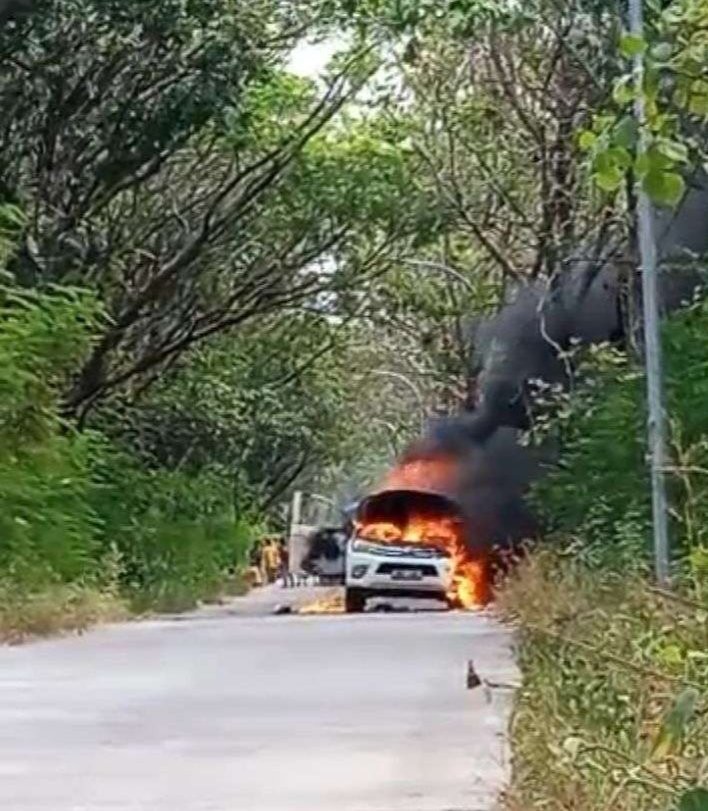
(434, 474)
(330, 604)
(469, 582)
(468, 587)
(428, 473)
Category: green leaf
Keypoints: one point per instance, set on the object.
(653, 160)
(664, 188)
(674, 150)
(610, 178)
(695, 799)
(671, 655)
(698, 105)
(651, 84)
(587, 140)
(625, 132)
(631, 45)
(623, 91)
(662, 51)
(602, 122)
(620, 157)
(642, 164)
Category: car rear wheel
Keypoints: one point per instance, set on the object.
(354, 600)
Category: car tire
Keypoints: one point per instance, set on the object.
(354, 600)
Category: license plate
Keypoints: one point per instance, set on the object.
(406, 574)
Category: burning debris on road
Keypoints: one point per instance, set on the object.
(329, 604)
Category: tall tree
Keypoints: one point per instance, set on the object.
(158, 154)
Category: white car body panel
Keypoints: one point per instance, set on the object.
(400, 570)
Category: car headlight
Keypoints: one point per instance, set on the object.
(362, 546)
(359, 571)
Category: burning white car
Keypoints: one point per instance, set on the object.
(395, 570)
(411, 543)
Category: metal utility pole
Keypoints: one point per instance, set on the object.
(656, 423)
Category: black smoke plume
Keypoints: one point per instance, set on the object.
(594, 299)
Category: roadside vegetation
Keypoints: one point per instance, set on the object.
(613, 711)
(86, 531)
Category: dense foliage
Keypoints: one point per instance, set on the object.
(76, 509)
(191, 235)
(603, 439)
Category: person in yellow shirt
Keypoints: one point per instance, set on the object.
(270, 560)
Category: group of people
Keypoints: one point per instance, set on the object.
(270, 560)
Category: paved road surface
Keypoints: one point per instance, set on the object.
(230, 711)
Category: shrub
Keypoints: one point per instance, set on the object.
(47, 527)
(81, 519)
(612, 711)
(177, 536)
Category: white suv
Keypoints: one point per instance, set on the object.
(404, 570)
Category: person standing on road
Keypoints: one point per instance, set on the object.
(270, 560)
(284, 554)
(254, 563)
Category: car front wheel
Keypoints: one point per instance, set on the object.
(354, 600)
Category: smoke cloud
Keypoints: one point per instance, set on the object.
(588, 303)
(525, 341)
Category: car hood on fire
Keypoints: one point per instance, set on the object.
(392, 499)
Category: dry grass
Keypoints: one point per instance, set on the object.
(603, 721)
(27, 614)
(57, 609)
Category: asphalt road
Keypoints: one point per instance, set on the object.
(226, 710)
